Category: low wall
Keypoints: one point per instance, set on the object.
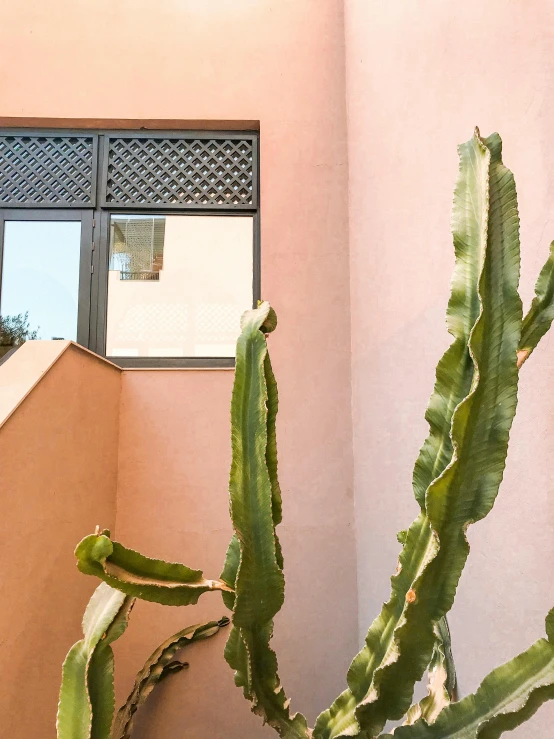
(58, 454)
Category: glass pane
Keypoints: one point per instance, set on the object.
(40, 281)
(178, 285)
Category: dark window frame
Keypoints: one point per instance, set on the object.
(95, 219)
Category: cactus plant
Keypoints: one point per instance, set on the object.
(456, 480)
(87, 700)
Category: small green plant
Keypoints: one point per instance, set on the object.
(456, 479)
(14, 331)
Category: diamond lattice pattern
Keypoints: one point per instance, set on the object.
(46, 170)
(194, 172)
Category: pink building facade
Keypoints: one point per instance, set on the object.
(359, 107)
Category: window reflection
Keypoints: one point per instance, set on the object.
(178, 285)
(136, 246)
(40, 281)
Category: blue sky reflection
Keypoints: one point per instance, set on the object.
(40, 275)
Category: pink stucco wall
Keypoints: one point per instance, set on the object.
(420, 76)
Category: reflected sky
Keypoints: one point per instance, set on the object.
(40, 275)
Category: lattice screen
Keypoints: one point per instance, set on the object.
(50, 171)
(180, 172)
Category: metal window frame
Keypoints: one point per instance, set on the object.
(95, 219)
(59, 214)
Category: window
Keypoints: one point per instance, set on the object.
(143, 247)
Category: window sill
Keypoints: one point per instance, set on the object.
(173, 363)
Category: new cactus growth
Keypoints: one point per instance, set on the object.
(456, 479)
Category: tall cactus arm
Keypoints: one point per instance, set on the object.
(156, 667)
(162, 582)
(541, 313)
(506, 698)
(454, 376)
(377, 667)
(229, 573)
(255, 510)
(78, 707)
(466, 491)
(259, 582)
(455, 369)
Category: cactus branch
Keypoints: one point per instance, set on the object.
(506, 698)
(162, 582)
(156, 667)
(86, 705)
